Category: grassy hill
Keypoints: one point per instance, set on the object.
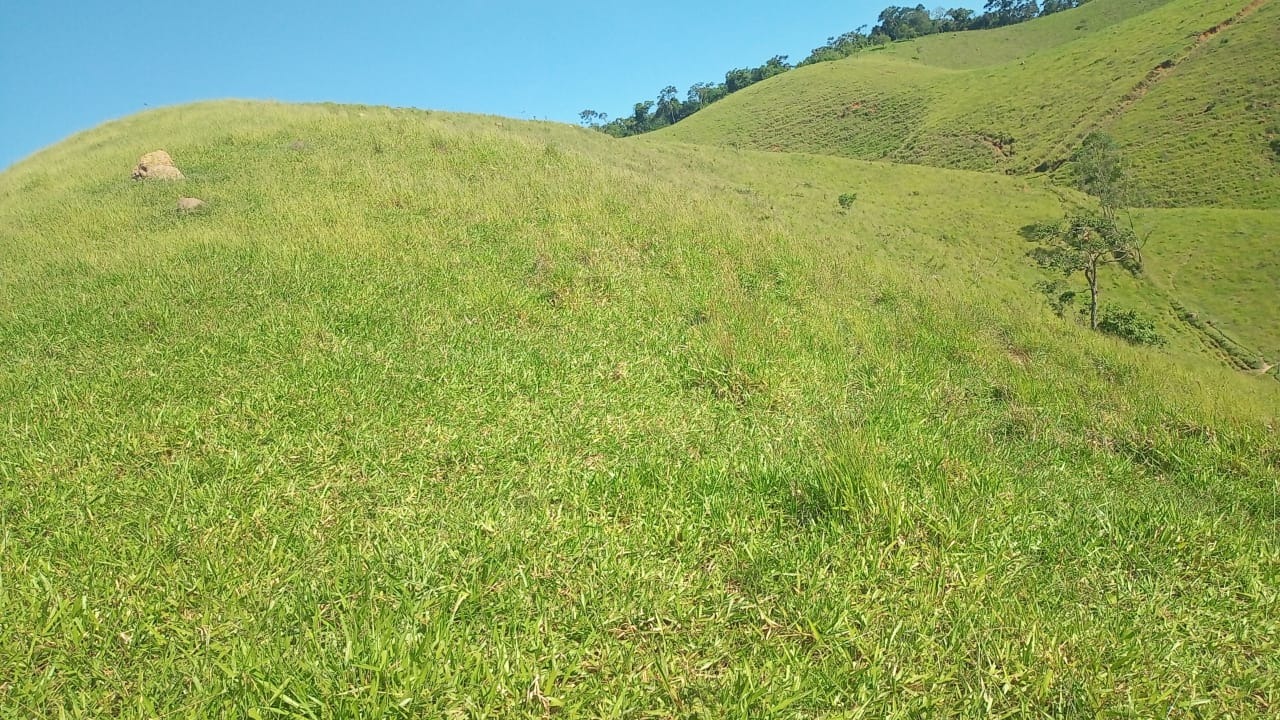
(452, 416)
(1213, 114)
(1188, 87)
(1210, 278)
(969, 50)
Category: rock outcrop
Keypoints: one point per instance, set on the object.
(156, 165)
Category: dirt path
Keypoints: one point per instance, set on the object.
(1148, 81)
(1158, 73)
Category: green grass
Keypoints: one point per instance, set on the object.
(1019, 99)
(964, 227)
(1212, 117)
(968, 50)
(1221, 265)
(448, 416)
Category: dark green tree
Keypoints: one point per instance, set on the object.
(1052, 6)
(904, 23)
(591, 118)
(960, 18)
(701, 94)
(840, 47)
(776, 65)
(736, 79)
(640, 114)
(1008, 12)
(668, 106)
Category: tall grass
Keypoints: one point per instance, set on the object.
(443, 416)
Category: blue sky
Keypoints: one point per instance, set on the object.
(67, 66)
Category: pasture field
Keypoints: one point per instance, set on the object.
(1189, 88)
(431, 415)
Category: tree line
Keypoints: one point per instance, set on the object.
(894, 23)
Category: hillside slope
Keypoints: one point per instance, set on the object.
(435, 415)
(1210, 280)
(1219, 266)
(1018, 99)
(1212, 117)
(968, 50)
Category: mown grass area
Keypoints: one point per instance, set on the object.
(432, 415)
(1019, 100)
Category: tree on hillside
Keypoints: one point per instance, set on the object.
(736, 79)
(904, 23)
(704, 93)
(591, 118)
(959, 18)
(1100, 172)
(775, 65)
(1085, 243)
(640, 113)
(1008, 12)
(844, 45)
(1052, 6)
(669, 104)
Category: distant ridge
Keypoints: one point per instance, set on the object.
(1188, 88)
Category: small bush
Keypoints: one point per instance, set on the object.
(1129, 325)
(1275, 147)
(846, 200)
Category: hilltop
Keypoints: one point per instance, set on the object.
(1188, 87)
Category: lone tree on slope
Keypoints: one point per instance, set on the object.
(1086, 241)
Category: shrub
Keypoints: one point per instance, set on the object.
(846, 200)
(1129, 325)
